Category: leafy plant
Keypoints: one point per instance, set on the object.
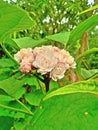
(71, 103)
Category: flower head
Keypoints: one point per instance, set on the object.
(46, 60)
(24, 54)
(58, 71)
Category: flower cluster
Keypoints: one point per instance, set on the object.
(46, 60)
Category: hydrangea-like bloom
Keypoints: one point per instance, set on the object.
(58, 71)
(24, 54)
(46, 60)
(25, 57)
(25, 66)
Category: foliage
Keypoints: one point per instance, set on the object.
(71, 102)
(53, 16)
(13, 22)
(72, 112)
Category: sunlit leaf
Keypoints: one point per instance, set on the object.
(5, 62)
(27, 42)
(89, 9)
(77, 33)
(67, 112)
(79, 60)
(90, 86)
(5, 98)
(10, 42)
(61, 37)
(4, 73)
(20, 92)
(12, 19)
(88, 73)
(11, 85)
(34, 98)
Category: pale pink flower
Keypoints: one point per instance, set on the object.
(25, 68)
(73, 65)
(71, 62)
(44, 59)
(38, 50)
(24, 53)
(25, 57)
(17, 57)
(58, 71)
(63, 55)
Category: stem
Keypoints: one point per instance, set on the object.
(21, 76)
(39, 78)
(15, 109)
(39, 85)
(26, 108)
(46, 81)
(36, 75)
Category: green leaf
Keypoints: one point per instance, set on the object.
(67, 112)
(90, 9)
(12, 19)
(20, 93)
(12, 109)
(11, 85)
(90, 86)
(11, 113)
(79, 60)
(30, 80)
(26, 42)
(61, 37)
(88, 73)
(20, 125)
(4, 73)
(77, 33)
(10, 42)
(34, 98)
(6, 123)
(5, 98)
(5, 62)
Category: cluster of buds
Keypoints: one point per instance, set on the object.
(46, 60)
